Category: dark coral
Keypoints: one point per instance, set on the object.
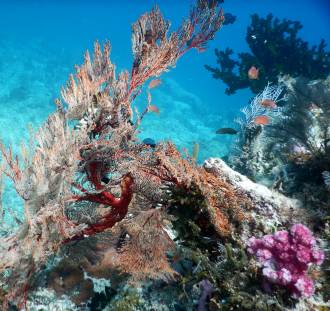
(275, 49)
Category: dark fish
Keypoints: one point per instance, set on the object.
(149, 142)
(229, 19)
(227, 130)
(105, 179)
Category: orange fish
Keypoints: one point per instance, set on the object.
(154, 83)
(253, 73)
(268, 103)
(154, 109)
(261, 120)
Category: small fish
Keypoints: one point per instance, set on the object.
(314, 82)
(229, 19)
(253, 73)
(154, 109)
(226, 130)
(154, 83)
(268, 103)
(195, 152)
(149, 142)
(261, 120)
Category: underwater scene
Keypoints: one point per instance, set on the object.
(164, 155)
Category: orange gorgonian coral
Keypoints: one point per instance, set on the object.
(79, 181)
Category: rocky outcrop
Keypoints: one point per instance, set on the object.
(270, 209)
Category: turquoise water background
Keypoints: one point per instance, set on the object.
(41, 41)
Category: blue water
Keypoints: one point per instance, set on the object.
(41, 41)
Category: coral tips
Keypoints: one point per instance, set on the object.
(285, 258)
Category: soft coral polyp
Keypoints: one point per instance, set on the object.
(286, 256)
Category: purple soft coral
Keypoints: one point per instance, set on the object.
(207, 289)
(285, 258)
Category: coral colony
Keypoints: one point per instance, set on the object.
(286, 256)
(275, 49)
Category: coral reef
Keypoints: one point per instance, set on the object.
(275, 49)
(291, 153)
(115, 223)
(286, 257)
(85, 172)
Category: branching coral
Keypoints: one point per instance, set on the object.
(69, 178)
(275, 49)
(286, 257)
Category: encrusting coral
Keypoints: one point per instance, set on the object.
(85, 172)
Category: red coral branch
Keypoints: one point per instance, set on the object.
(119, 206)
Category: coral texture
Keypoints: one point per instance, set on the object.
(286, 256)
(270, 207)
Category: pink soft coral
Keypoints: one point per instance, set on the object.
(286, 256)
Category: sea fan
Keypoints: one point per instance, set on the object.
(255, 109)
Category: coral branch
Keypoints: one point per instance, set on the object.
(119, 208)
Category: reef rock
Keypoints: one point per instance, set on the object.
(269, 208)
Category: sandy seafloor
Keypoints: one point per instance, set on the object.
(41, 41)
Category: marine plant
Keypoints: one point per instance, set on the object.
(286, 256)
(85, 175)
(276, 50)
